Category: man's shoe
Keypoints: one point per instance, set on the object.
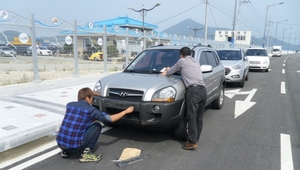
(63, 154)
(90, 157)
(189, 146)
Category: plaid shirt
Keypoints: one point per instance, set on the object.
(79, 115)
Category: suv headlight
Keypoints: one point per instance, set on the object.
(97, 87)
(238, 66)
(164, 95)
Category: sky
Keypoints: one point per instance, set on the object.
(252, 13)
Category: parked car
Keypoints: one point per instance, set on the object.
(7, 52)
(23, 50)
(43, 51)
(236, 65)
(258, 58)
(159, 101)
(276, 53)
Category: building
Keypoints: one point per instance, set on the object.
(241, 37)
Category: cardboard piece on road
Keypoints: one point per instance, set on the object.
(129, 153)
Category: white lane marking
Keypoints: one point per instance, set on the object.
(282, 88)
(36, 159)
(286, 152)
(283, 71)
(29, 154)
(36, 151)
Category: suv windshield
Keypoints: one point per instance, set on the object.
(256, 52)
(153, 61)
(229, 55)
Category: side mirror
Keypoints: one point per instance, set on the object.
(206, 68)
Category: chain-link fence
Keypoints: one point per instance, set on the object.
(59, 46)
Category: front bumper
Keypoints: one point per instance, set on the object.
(146, 115)
(234, 76)
(258, 66)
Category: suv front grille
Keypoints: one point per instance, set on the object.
(132, 95)
(227, 71)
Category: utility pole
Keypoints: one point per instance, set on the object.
(269, 32)
(233, 28)
(205, 28)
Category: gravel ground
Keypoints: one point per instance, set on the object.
(20, 69)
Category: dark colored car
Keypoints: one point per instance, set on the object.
(159, 101)
(23, 50)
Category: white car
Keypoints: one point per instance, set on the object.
(276, 53)
(258, 59)
(43, 51)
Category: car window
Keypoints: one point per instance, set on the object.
(229, 55)
(203, 59)
(256, 52)
(154, 60)
(211, 58)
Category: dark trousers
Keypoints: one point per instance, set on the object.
(195, 99)
(90, 138)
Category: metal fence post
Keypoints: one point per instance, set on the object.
(127, 46)
(34, 54)
(75, 47)
(105, 48)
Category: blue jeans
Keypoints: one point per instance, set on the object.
(90, 138)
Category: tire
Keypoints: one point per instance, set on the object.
(266, 70)
(109, 124)
(247, 77)
(242, 83)
(218, 102)
(180, 132)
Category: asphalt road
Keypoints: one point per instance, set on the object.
(257, 128)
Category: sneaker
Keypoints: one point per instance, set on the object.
(63, 154)
(90, 157)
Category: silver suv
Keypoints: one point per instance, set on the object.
(158, 100)
(236, 65)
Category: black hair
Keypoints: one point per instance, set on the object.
(184, 51)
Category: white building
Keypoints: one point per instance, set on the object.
(241, 37)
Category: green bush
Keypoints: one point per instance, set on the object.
(112, 51)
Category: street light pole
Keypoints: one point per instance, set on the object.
(142, 11)
(266, 21)
(283, 35)
(276, 29)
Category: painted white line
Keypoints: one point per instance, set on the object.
(283, 71)
(283, 65)
(282, 89)
(36, 151)
(29, 154)
(36, 159)
(286, 157)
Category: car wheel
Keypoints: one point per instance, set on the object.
(109, 124)
(242, 83)
(181, 131)
(218, 103)
(266, 70)
(247, 77)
